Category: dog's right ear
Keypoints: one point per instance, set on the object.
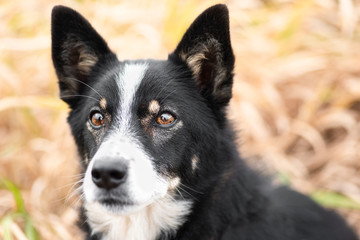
(76, 48)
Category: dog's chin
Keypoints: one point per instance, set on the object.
(120, 207)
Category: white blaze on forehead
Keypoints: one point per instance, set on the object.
(128, 82)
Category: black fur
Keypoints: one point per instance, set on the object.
(230, 201)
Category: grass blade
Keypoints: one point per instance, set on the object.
(334, 200)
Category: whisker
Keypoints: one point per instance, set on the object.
(168, 95)
(74, 176)
(77, 201)
(81, 198)
(72, 193)
(172, 198)
(65, 186)
(69, 196)
(79, 191)
(79, 95)
(162, 89)
(168, 195)
(187, 192)
(180, 194)
(74, 79)
(191, 188)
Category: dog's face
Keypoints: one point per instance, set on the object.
(143, 128)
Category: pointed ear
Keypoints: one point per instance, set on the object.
(206, 50)
(76, 48)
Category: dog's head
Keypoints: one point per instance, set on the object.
(144, 128)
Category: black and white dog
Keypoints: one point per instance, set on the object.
(158, 154)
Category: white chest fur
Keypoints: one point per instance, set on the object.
(162, 215)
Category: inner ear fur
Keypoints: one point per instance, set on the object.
(78, 56)
(76, 49)
(206, 50)
(206, 63)
(78, 60)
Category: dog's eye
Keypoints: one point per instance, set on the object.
(97, 119)
(165, 119)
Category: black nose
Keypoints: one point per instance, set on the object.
(108, 174)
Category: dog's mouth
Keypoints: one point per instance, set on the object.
(113, 202)
(121, 206)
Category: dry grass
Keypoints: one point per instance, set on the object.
(296, 98)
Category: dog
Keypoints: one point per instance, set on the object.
(158, 154)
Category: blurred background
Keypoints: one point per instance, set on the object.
(296, 103)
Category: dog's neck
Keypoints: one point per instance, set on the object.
(163, 216)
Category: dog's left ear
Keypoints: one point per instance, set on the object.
(206, 49)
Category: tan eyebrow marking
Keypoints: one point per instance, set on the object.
(194, 162)
(103, 103)
(154, 107)
(153, 110)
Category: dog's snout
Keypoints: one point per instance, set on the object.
(108, 174)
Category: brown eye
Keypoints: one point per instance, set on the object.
(97, 119)
(165, 119)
